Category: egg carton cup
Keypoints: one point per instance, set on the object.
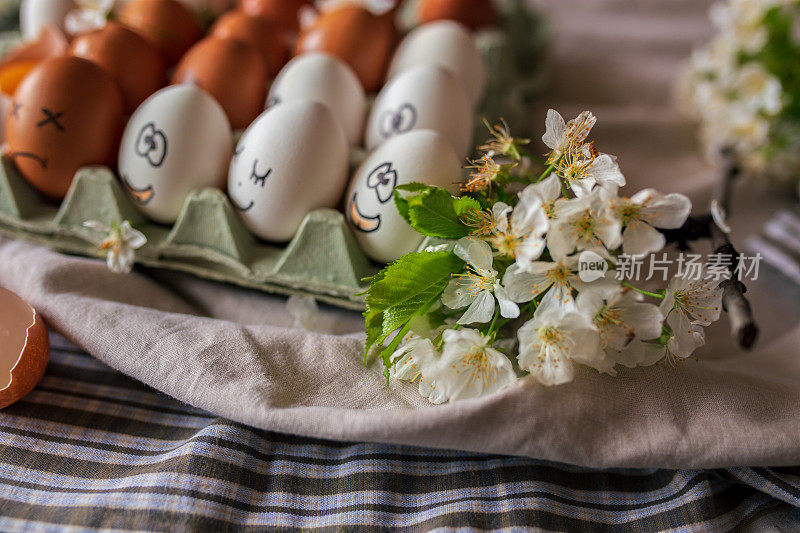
(208, 240)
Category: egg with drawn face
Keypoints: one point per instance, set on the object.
(291, 160)
(177, 141)
(67, 113)
(418, 156)
(425, 97)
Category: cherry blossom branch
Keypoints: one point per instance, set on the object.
(697, 227)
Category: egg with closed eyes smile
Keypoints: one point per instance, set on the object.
(177, 141)
(291, 160)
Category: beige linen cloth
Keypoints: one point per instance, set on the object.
(234, 352)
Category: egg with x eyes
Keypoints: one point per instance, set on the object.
(67, 113)
(418, 156)
(177, 141)
(291, 160)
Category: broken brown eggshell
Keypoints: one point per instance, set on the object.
(24, 348)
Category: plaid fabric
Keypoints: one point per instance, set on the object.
(93, 449)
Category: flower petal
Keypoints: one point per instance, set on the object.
(640, 238)
(508, 309)
(480, 310)
(555, 126)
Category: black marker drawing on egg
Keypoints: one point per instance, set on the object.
(359, 220)
(50, 117)
(400, 121)
(382, 179)
(141, 196)
(259, 179)
(151, 143)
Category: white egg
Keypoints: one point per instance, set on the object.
(449, 45)
(425, 97)
(422, 156)
(36, 14)
(178, 140)
(291, 160)
(328, 80)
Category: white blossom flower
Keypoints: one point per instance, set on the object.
(551, 342)
(619, 315)
(689, 303)
(645, 211)
(555, 279)
(560, 136)
(520, 235)
(584, 171)
(758, 89)
(547, 191)
(583, 223)
(478, 286)
(641, 353)
(470, 367)
(417, 360)
(120, 244)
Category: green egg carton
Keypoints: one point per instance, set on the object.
(208, 240)
(323, 259)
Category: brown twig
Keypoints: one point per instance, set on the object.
(740, 315)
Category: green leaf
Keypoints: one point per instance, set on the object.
(401, 204)
(414, 186)
(437, 214)
(410, 285)
(373, 320)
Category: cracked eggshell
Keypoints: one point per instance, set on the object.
(177, 141)
(446, 44)
(24, 348)
(424, 97)
(291, 160)
(328, 80)
(418, 156)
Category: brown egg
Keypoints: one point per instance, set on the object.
(67, 113)
(170, 25)
(363, 40)
(472, 13)
(258, 33)
(232, 72)
(281, 13)
(24, 348)
(134, 62)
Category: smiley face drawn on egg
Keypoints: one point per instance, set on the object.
(395, 121)
(381, 180)
(150, 145)
(258, 179)
(178, 141)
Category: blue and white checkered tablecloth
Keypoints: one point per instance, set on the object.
(93, 449)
